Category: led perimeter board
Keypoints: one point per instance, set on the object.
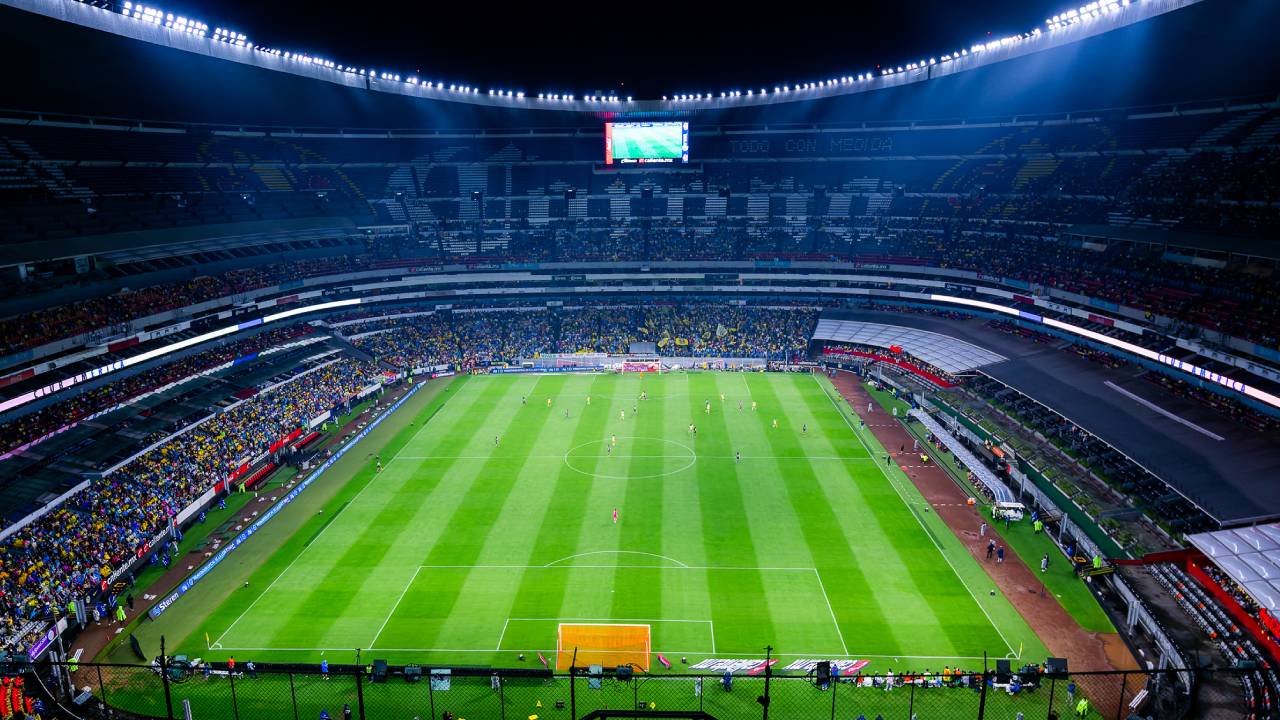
(646, 142)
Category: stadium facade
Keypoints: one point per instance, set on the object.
(948, 220)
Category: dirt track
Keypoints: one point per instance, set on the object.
(1084, 650)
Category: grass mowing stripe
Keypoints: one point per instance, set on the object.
(928, 592)
(785, 506)
(820, 524)
(369, 473)
(561, 525)
(321, 613)
(484, 496)
(641, 592)
(284, 528)
(320, 530)
(824, 383)
(486, 601)
(739, 604)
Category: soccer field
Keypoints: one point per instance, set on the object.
(493, 525)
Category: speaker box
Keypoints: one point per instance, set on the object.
(824, 672)
(1002, 671)
(1056, 666)
(379, 671)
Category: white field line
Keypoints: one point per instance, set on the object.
(831, 610)
(387, 619)
(325, 529)
(615, 552)
(918, 520)
(614, 567)
(603, 621)
(1156, 408)
(627, 456)
(673, 652)
(503, 633)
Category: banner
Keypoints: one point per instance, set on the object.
(846, 667)
(750, 667)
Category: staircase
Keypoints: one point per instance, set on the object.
(13, 177)
(1214, 134)
(53, 178)
(878, 203)
(1036, 168)
(675, 207)
(273, 178)
(1264, 134)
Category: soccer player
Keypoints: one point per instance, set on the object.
(775, 423)
(690, 428)
(548, 403)
(622, 415)
(566, 413)
(588, 399)
(708, 407)
(739, 406)
(613, 440)
(634, 408)
(737, 456)
(721, 397)
(804, 429)
(523, 400)
(615, 516)
(753, 406)
(495, 441)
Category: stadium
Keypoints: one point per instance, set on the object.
(947, 387)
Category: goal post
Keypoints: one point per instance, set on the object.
(602, 644)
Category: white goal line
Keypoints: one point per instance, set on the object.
(815, 654)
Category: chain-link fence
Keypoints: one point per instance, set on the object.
(283, 692)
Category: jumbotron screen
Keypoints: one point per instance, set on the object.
(646, 142)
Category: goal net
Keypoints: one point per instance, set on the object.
(602, 644)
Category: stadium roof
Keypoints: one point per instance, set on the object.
(1250, 556)
(147, 22)
(138, 22)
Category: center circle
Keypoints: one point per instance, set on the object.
(579, 457)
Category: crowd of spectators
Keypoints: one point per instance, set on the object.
(59, 415)
(71, 551)
(690, 330)
(470, 339)
(478, 338)
(109, 311)
(408, 343)
(1013, 241)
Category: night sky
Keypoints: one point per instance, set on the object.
(645, 49)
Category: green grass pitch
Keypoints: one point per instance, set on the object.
(466, 551)
(647, 142)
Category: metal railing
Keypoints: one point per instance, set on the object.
(174, 690)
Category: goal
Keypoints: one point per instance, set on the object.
(602, 644)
